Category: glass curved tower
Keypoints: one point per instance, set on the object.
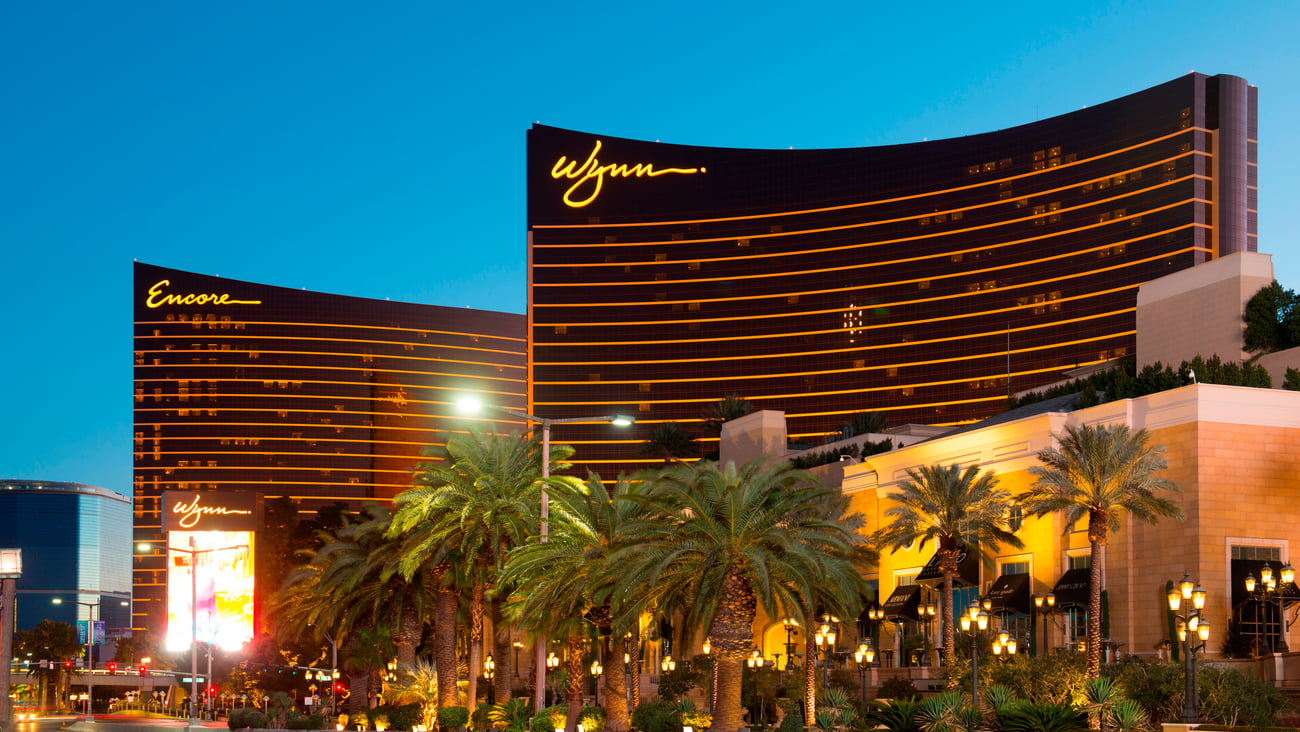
(925, 281)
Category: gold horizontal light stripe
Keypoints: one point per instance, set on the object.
(881, 326)
(790, 374)
(847, 206)
(214, 325)
(843, 309)
(867, 224)
(176, 469)
(870, 265)
(841, 328)
(318, 382)
(300, 367)
(296, 339)
(821, 394)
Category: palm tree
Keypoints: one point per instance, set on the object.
(416, 684)
(467, 512)
(570, 576)
(955, 508)
(349, 585)
(1100, 473)
(732, 406)
(669, 441)
(719, 542)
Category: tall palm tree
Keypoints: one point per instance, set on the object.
(955, 508)
(1100, 473)
(732, 406)
(467, 512)
(670, 441)
(348, 585)
(570, 576)
(719, 542)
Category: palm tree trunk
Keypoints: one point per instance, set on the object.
(616, 712)
(407, 637)
(809, 678)
(634, 661)
(444, 652)
(475, 644)
(573, 682)
(949, 636)
(732, 635)
(1097, 539)
(501, 653)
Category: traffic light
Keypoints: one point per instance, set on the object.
(67, 665)
(112, 667)
(143, 669)
(212, 691)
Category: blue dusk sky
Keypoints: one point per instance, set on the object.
(377, 149)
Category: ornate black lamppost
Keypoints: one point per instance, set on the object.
(1267, 592)
(1191, 625)
(1044, 605)
(791, 627)
(825, 642)
(973, 621)
(864, 657)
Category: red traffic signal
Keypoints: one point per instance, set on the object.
(112, 667)
(212, 691)
(143, 669)
(67, 664)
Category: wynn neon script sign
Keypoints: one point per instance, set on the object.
(591, 174)
(157, 298)
(191, 512)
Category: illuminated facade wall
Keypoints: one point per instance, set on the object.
(924, 281)
(76, 542)
(249, 388)
(1234, 451)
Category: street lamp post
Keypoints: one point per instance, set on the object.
(1005, 644)
(927, 612)
(973, 621)
(1191, 623)
(472, 405)
(193, 551)
(490, 673)
(824, 639)
(864, 657)
(1044, 605)
(791, 627)
(11, 569)
(90, 650)
(1268, 591)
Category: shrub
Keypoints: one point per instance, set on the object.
(512, 715)
(360, 719)
(549, 719)
(1231, 697)
(592, 719)
(246, 717)
(791, 722)
(478, 720)
(655, 716)
(899, 715)
(1025, 716)
(295, 720)
(453, 717)
(898, 687)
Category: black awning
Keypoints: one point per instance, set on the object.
(1072, 588)
(902, 603)
(1242, 567)
(1010, 593)
(968, 570)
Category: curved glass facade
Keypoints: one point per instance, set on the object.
(76, 542)
(925, 281)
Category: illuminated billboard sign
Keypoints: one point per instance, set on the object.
(210, 540)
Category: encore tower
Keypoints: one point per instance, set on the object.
(249, 389)
(925, 281)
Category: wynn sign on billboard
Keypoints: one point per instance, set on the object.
(210, 540)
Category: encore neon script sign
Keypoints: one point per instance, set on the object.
(191, 512)
(157, 298)
(593, 172)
